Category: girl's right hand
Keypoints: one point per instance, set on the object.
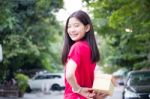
(87, 93)
(100, 95)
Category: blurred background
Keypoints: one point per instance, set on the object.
(31, 36)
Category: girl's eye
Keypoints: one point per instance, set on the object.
(69, 26)
(76, 25)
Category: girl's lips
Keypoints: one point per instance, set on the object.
(73, 35)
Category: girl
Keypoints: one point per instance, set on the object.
(80, 54)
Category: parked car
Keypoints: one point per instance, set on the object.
(1, 53)
(137, 85)
(48, 81)
(120, 75)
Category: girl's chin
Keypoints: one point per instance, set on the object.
(74, 39)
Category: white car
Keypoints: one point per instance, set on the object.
(1, 53)
(47, 81)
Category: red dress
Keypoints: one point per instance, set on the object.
(80, 52)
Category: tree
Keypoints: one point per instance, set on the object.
(27, 29)
(124, 26)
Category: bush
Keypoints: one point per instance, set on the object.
(109, 69)
(22, 82)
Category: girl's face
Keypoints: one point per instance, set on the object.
(76, 29)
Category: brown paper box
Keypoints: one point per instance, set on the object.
(103, 83)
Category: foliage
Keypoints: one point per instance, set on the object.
(22, 82)
(109, 69)
(124, 26)
(27, 29)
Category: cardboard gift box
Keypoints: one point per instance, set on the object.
(103, 83)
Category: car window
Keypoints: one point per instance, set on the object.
(40, 77)
(139, 79)
(56, 76)
(49, 77)
(53, 76)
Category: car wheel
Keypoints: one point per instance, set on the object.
(123, 95)
(28, 90)
(55, 87)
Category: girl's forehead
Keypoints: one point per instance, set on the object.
(73, 20)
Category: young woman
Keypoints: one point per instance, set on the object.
(80, 54)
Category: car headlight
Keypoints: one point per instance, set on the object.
(129, 94)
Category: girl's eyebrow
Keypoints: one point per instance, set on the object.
(74, 23)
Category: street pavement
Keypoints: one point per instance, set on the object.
(39, 95)
(59, 95)
(117, 93)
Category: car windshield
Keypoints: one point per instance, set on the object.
(139, 79)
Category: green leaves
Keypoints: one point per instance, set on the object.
(123, 24)
(27, 29)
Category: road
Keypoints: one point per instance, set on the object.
(39, 95)
(117, 93)
(59, 95)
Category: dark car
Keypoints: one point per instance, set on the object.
(137, 85)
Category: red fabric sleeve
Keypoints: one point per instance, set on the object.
(75, 54)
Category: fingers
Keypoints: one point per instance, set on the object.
(101, 96)
(90, 95)
(87, 92)
(104, 95)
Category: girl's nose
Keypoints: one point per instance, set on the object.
(72, 29)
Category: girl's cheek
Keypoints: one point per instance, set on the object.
(68, 31)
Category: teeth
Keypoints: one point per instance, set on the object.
(73, 35)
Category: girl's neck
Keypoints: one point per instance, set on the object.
(81, 40)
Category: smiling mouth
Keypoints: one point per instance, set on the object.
(73, 35)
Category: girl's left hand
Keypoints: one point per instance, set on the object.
(100, 95)
(87, 93)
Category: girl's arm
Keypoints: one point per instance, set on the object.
(70, 74)
(70, 77)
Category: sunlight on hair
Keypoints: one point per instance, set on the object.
(69, 7)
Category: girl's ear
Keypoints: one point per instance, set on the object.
(87, 28)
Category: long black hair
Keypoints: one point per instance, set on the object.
(89, 37)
